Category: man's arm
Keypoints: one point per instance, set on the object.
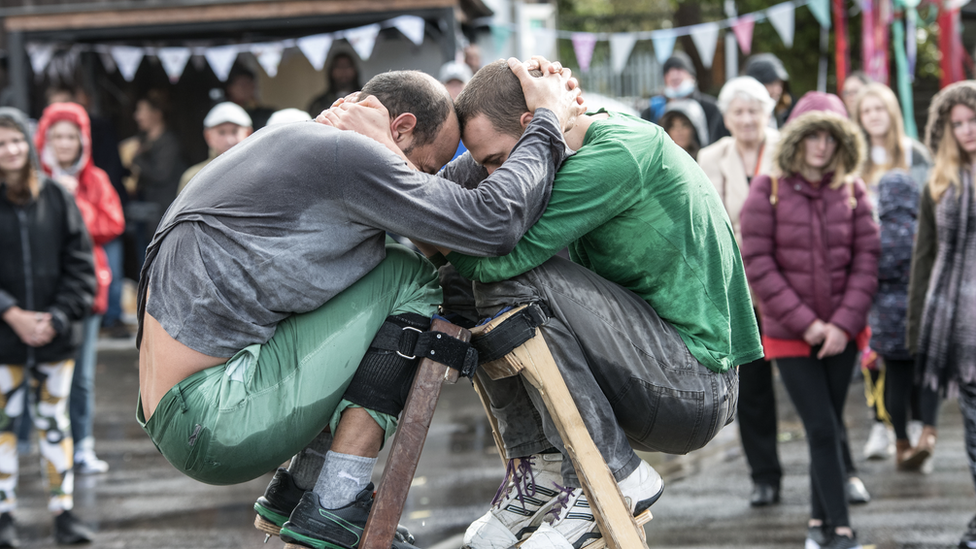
(590, 190)
(488, 220)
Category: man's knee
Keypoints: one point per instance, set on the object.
(384, 376)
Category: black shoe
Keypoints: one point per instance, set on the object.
(967, 541)
(69, 530)
(311, 525)
(817, 537)
(279, 500)
(8, 531)
(763, 495)
(843, 542)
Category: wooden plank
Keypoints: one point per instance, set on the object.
(408, 444)
(602, 492)
(206, 14)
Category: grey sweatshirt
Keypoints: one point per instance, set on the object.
(296, 213)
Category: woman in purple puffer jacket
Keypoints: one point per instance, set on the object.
(810, 248)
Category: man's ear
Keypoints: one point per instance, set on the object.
(402, 126)
(525, 119)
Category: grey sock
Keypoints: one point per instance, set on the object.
(343, 476)
(306, 466)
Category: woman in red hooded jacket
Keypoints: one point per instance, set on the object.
(63, 140)
(810, 247)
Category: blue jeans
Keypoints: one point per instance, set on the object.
(114, 252)
(632, 377)
(81, 406)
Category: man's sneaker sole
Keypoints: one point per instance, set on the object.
(268, 519)
(641, 519)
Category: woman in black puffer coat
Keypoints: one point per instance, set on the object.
(47, 284)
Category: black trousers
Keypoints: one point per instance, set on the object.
(757, 421)
(818, 389)
(758, 424)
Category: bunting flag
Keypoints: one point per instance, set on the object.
(545, 43)
(410, 26)
(500, 35)
(841, 48)
(705, 37)
(174, 61)
(663, 45)
(821, 12)
(621, 44)
(40, 55)
(783, 18)
(128, 59)
(904, 81)
(268, 55)
(362, 39)
(743, 32)
(316, 49)
(583, 45)
(107, 61)
(221, 59)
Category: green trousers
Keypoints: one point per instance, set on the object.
(236, 421)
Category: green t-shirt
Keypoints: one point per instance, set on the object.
(635, 209)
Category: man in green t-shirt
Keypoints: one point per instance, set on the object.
(647, 323)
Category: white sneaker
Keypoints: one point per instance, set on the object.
(87, 463)
(531, 485)
(570, 514)
(546, 537)
(881, 444)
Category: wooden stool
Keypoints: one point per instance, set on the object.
(535, 363)
(408, 443)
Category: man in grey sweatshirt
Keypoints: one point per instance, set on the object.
(268, 278)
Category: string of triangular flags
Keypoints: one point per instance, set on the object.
(174, 59)
(704, 35)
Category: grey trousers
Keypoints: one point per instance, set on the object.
(632, 377)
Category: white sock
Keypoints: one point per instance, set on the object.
(342, 478)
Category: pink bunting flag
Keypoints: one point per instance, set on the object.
(743, 32)
(583, 44)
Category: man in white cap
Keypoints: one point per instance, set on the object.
(226, 125)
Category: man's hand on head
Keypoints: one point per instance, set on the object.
(555, 90)
(367, 117)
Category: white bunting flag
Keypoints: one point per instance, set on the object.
(174, 61)
(128, 59)
(411, 26)
(782, 16)
(316, 49)
(545, 43)
(705, 37)
(583, 44)
(821, 12)
(362, 39)
(663, 44)
(221, 59)
(621, 44)
(268, 55)
(40, 55)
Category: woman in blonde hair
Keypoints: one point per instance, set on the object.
(942, 292)
(877, 112)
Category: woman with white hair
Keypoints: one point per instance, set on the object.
(731, 163)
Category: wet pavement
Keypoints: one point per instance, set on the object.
(144, 502)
